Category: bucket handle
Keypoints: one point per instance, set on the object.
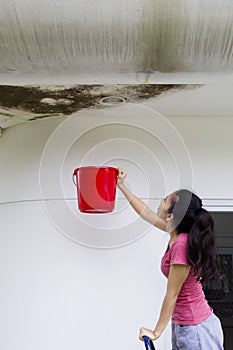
(76, 170)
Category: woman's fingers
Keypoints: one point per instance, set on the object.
(146, 332)
(121, 176)
(121, 173)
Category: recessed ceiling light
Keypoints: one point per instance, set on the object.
(112, 101)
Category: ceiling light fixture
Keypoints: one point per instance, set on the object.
(112, 101)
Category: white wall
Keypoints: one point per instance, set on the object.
(210, 143)
(57, 291)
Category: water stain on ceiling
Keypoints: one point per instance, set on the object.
(116, 36)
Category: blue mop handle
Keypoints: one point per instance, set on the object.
(148, 343)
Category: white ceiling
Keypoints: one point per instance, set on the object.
(116, 36)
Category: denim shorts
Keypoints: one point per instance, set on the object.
(207, 335)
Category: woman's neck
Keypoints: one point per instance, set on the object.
(173, 236)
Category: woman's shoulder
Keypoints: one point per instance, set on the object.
(178, 251)
(181, 239)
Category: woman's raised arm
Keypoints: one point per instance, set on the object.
(138, 205)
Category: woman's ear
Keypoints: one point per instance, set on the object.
(169, 217)
(169, 223)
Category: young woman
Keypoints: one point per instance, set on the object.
(188, 262)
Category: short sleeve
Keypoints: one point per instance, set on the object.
(179, 253)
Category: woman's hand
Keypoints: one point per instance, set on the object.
(152, 335)
(121, 176)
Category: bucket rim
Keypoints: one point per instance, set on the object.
(94, 167)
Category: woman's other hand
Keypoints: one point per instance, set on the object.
(148, 333)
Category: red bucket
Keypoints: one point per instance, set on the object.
(96, 188)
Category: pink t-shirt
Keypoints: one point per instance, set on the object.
(191, 306)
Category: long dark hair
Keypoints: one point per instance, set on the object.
(189, 217)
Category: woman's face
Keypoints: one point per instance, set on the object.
(165, 204)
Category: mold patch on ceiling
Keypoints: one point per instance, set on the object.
(20, 104)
